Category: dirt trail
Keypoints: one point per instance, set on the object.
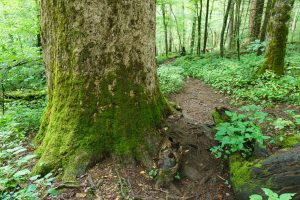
(198, 100)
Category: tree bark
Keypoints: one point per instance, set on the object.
(294, 24)
(277, 34)
(237, 28)
(224, 28)
(231, 29)
(266, 20)
(193, 35)
(199, 16)
(206, 27)
(102, 84)
(257, 7)
(163, 10)
(177, 27)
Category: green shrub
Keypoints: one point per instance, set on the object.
(170, 78)
(241, 133)
(239, 78)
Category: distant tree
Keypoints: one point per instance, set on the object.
(192, 45)
(266, 20)
(231, 28)
(102, 84)
(294, 24)
(177, 27)
(199, 5)
(163, 10)
(277, 34)
(229, 4)
(206, 27)
(257, 7)
(237, 27)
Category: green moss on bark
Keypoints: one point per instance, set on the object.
(80, 126)
(278, 30)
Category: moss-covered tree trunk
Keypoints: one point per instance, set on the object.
(102, 83)
(277, 33)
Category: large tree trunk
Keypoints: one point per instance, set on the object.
(224, 28)
(102, 83)
(278, 30)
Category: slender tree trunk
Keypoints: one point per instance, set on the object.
(211, 10)
(199, 16)
(183, 26)
(224, 28)
(171, 40)
(102, 84)
(237, 27)
(177, 27)
(252, 21)
(246, 15)
(264, 25)
(257, 7)
(206, 27)
(278, 30)
(258, 17)
(266, 20)
(163, 10)
(193, 35)
(231, 29)
(294, 25)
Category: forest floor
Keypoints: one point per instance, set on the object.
(202, 176)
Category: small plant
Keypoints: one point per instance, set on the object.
(153, 173)
(177, 176)
(257, 44)
(272, 195)
(241, 133)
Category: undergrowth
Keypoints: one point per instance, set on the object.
(20, 120)
(238, 78)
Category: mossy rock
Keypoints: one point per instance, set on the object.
(279, 172)
(288, 141)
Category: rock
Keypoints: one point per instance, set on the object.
(80, 195)
(279, 172)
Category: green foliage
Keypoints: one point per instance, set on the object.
(20, 57)
(272, 195)
(170, 78)
(240, 80)
(153, 173)
(241, 133)
(256, 45)
(16, 159)
(18, 31)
